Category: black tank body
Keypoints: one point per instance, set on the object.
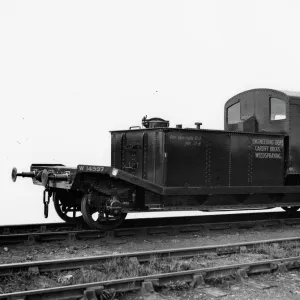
(253, 150)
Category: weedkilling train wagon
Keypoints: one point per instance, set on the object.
(253, 162)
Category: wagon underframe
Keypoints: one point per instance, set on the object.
(78, 189)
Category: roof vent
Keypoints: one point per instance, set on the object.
(198, 125)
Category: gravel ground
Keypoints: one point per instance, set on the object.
(262, 287)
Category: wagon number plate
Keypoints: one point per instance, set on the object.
(91, 168)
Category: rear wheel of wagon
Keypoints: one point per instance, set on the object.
(290, 209)
(98, 218)
(66, 208)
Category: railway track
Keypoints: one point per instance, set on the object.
(130, 223)
(136, 227)
(142, 257)
(195, 278)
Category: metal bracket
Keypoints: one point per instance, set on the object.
(91, 293)
(46, 201)
(132, 167)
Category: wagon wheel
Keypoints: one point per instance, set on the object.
(290, 209)
(70, 213)
(99, 220)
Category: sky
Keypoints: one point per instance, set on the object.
(71, 71)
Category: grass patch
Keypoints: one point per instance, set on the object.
(18, 281)
(275, 250)
(124, 268)
(24, 281)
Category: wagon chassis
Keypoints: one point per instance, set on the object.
(68, 181)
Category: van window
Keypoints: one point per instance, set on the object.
(277, 109)
(234, 113)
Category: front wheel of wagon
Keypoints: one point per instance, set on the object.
(66, 207)
(98, 217)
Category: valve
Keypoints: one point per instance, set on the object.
(15, 174)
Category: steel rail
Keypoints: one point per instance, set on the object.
(142, 256)
(43, 227)
(192, 277)
(160, 221)
(128, 223)
(142, 231)
(38, 227)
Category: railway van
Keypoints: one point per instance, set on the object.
(253, 163)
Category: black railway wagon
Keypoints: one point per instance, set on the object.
(253, 163)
